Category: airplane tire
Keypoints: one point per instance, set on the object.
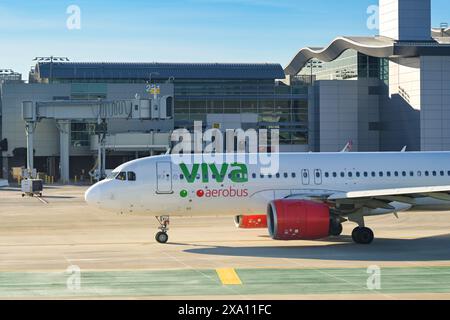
(363, 235)
(162, 237)
(336, 229)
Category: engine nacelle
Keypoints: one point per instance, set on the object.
(298, 220)
(251, 222)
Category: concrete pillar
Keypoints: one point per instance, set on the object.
(5, 168)
(64, 150)
(30, 127)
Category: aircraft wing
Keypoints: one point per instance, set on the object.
(437, 192)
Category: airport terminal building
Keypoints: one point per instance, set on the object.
(382, 93)
(65, 95)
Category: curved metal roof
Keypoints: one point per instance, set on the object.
(380, 47)
(218, 71)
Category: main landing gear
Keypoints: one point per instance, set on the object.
(363, 235)
(162, 236)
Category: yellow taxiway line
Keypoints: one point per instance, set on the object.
(228, 276)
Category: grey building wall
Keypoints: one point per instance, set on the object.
(47, 135)
(343, 112)
(405, 19)
(13, 127)
(400, 106)
(435, 98)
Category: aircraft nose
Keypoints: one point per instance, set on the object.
(92, 195)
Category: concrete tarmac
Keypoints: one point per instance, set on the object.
(115, 256)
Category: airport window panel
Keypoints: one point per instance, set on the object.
(266, 106)
(249, 106)
(198, 107)
(215, 106)
(232, 106)
(131, 176)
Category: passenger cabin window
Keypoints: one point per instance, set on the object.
(131, 176)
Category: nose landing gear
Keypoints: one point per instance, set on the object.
(162, 236)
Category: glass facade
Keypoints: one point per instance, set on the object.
(350, 65)
(80, 134)
(275, 104)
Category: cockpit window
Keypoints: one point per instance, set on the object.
(112, 175)
(131, 176)
(122, 176)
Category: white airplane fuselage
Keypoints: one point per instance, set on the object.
(158, 186)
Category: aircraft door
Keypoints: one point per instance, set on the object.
(164, 177)
(305, 177)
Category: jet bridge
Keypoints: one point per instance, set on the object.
(63, 112)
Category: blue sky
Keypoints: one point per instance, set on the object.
(179, 30)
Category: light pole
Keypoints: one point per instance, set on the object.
(313, 64)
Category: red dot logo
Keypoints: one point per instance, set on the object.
(200, 193)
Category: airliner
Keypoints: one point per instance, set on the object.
(308, 198)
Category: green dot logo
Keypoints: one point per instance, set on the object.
(183, 193)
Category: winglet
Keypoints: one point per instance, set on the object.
(348, 147)
(404, 149)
